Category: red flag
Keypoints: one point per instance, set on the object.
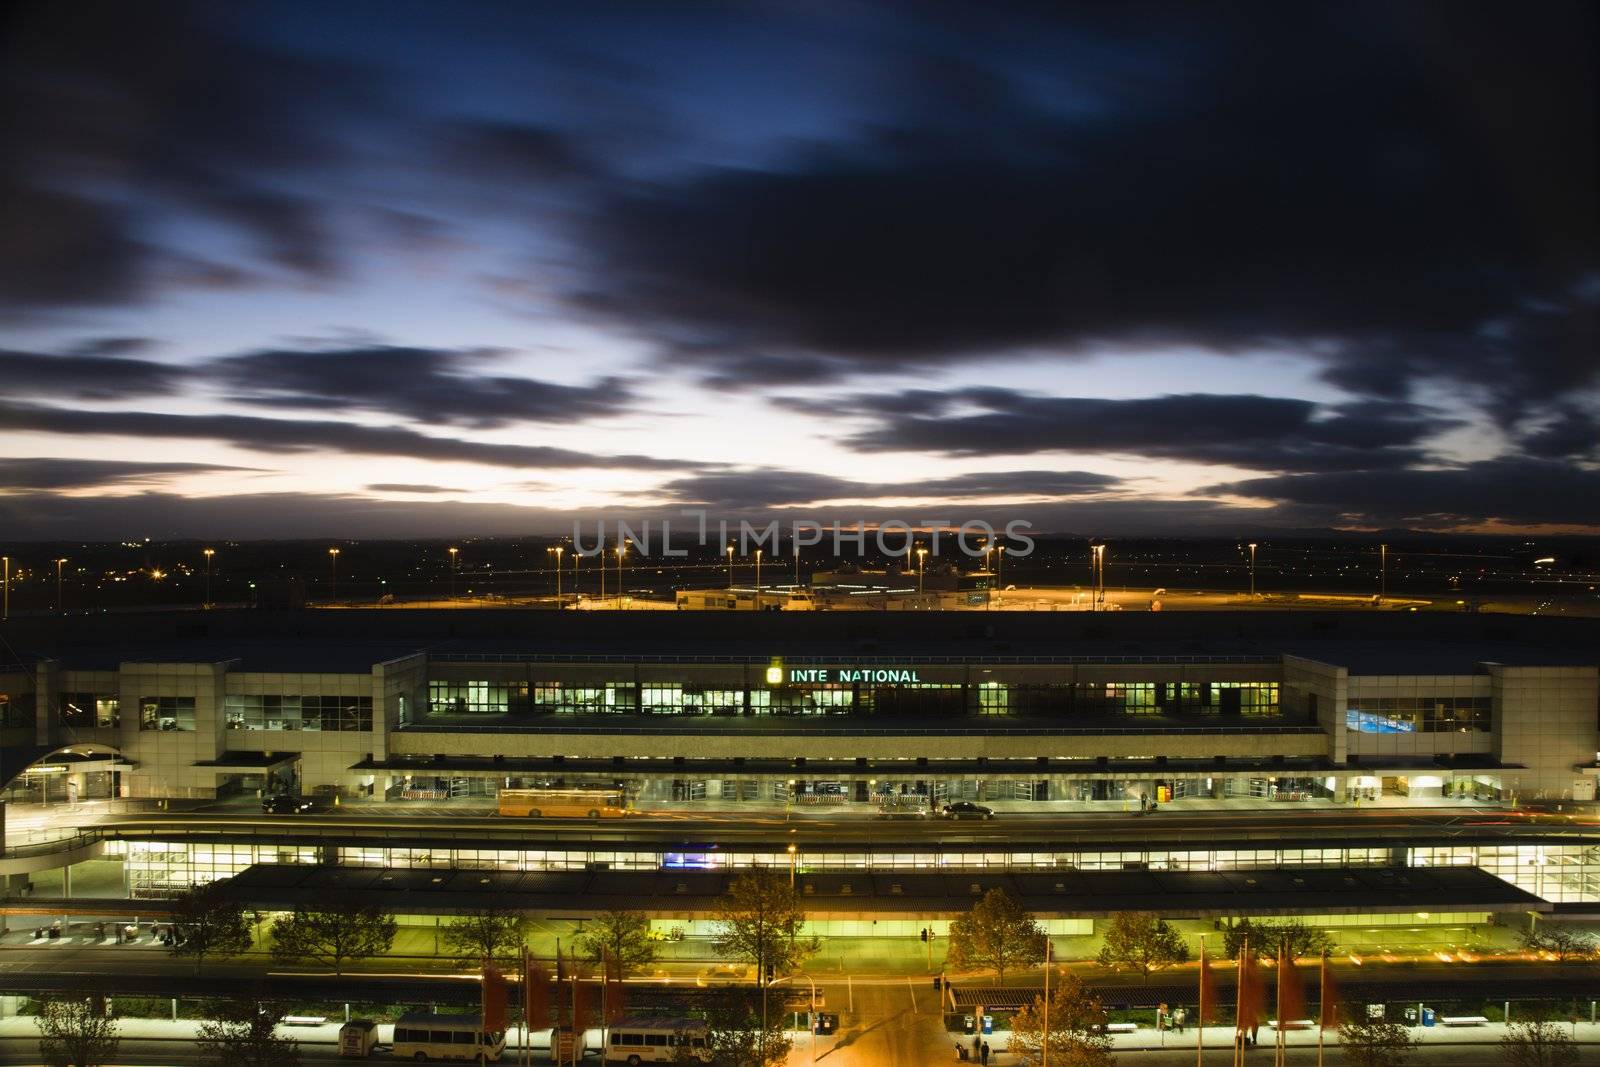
(1207, 1009)
(1251, 992)
(494, 1000)
(1291, 989)
(613, 995)
(1328, 1008)
(536, 993)
(582, 1005)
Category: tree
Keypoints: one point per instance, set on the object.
(1375, 1043)
(1537, 1042)
(485, 933)
(735, 1033)
(1563, 942)
(1077, 1035)
(760, 919)
(244, 1034)
(621, 936)
(1141, 942)
(342, 929)
(1267, 936)
(997, 934)
(206, 923)
(76, 1032)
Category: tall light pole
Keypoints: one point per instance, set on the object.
(1000, 570)
(797, 563)
(600, 551)
(59, 562)
(209, 552)
(1252, 570)
(730, 566)
(558, 551)
(1383, 571)
(5, 612)
(333, 569)
(621, 551)
(1098, 572)
(922, 555)
(453, 553)
(758, 579)
(576, 556)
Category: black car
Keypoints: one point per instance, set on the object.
(965, 809)
(284, 804)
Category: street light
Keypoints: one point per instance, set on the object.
(1097, 570)
(793, 852)
(621, 551)
(59, 562)
(5, 612)
(558, 551)
(1383, 571)
(1000, 570)
(813, 982)
(453, 552)
(730, 566)
(922, 555)
(333, 564)
(1252, 569)
(758, 580)
(209, 552)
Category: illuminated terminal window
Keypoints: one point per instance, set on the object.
(166, 713)
(280, 712)
(89, 709)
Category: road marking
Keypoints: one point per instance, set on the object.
(911, 989)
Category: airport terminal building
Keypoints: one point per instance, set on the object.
(793, 709)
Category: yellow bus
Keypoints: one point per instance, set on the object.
(564, 803)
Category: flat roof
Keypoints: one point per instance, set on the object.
(1267, 891)
(353, 640)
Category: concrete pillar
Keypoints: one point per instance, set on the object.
(66, 882)
(1219, 787)
(1341, 789)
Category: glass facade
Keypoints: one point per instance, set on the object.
(90, 709)
(920, 699)
(166, 713)
(278, 712)
(1429, 715)
(16, 709)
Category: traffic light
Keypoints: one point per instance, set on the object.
(924, 933)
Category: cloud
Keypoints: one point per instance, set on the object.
(1511, 491)
(1334, 181)
(85, 377)
(310, 435)
(21, 473)
(163, 113)
(425, 384)
(757, 490)
(1254, 432)
(408, 487)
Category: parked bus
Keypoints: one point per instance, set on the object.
(420, 1036)
(645, 1040)
(564, 803)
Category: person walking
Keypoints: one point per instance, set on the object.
(984, 1055)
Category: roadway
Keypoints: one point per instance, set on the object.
(824, 830)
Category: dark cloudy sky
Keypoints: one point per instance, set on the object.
(365, 268)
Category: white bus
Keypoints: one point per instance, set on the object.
(420, 1036)
(636, 1041)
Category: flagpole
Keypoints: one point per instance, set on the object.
(1322, 1006)
(1238, 1010)
(1280, 1041)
